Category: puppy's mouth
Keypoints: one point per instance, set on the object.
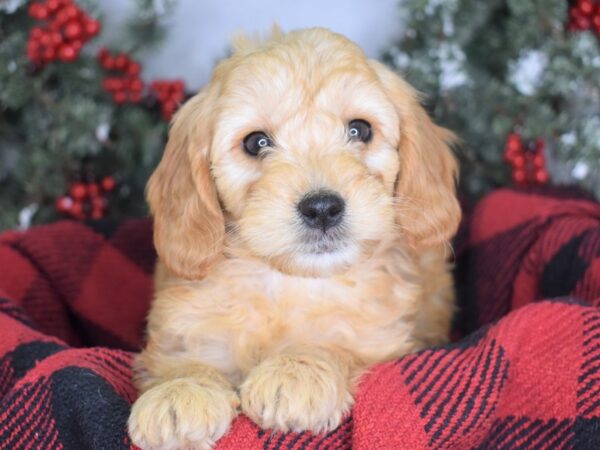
(317, 242)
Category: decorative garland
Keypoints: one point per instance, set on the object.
(63, 31)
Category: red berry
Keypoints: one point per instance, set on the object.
(73, 30)
(585, 6)
(177, 96)
(92, 27)
(163, 96)
(77, 210)
(37, 32)
(71, 11)
(46, 39)
(102, 54)
(541, 176)
(119, 97)
(67, 53)
(97, 214)
(33, 46)
(168, 109)
(38, 11)
(55, 38)
(54, 25)
(108, 184)
(77, 45)
(519, 176)
(112, 84)
(136, 85)
(121, 61)
(179, 85)
(514, 143)
(133, 68)
(120, 84)
(108, 63)
(48, 54)
(135, 97)
(64, 204)
(98, 203)
(170, 105)
(53, 5)
(519, 161)
(61, 18)
(583, 23)
(78, 191)
(93, 190)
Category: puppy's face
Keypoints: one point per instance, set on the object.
(311, 156)
(304, 156)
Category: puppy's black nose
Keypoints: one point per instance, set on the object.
(321, 210)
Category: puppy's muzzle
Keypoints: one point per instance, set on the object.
(322, 210)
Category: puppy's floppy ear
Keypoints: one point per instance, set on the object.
(188, 221)
(427, 207)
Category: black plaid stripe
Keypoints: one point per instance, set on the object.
(566, 268)
(524, 433)
(444, 383)
(19, 410)
(337, 439)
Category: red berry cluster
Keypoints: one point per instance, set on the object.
(170, 94)
(66, 31)
(584, 15)
(86, 200)
(127, 86)
(527, 161)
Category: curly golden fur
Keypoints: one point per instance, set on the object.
(248, 313)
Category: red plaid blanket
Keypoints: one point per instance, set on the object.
(73, 299)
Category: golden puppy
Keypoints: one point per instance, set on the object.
(302, 210)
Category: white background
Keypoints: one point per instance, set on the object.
(199, 30)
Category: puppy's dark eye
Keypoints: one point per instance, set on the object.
(255, 142)
(359, 130)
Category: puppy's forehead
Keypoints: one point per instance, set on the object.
(297, 70)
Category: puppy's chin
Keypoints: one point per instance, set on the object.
(317, 264)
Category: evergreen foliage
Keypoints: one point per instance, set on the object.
(492, 67)
(57, 124)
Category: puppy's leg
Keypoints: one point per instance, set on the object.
(299, 389)
(183, 405)
(436, 307)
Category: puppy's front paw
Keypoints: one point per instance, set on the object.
(296, 393)
(181, 414)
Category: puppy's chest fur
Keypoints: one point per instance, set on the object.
(244, 311)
